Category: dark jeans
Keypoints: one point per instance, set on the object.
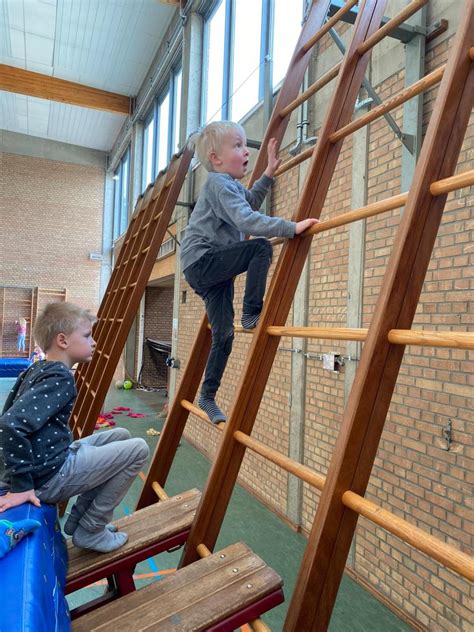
(212, 278)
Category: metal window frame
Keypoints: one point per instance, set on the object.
(148, 119)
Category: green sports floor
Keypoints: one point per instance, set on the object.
(247, 520)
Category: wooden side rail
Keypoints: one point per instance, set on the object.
(217, 593)
(152, 530)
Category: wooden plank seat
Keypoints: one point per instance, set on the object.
(217, 593)
(157, 528)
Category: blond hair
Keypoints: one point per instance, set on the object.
(58, 318)
(210, 139)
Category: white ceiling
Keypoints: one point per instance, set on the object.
(106, 44)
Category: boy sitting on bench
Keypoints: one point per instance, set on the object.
(40, 461)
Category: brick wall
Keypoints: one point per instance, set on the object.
(158, 326)
(413, 476)
(51, 221)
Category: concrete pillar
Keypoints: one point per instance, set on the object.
(413, 109)
(189, 122)
(136, 163)
(192, 74)
(298, 384)
(136, 335)
(356, 259)
(107, 228)
(298, 397)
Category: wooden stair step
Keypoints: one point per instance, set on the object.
(146, 527)
(197, 597)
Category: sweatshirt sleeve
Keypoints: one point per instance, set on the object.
(237, 211)
(28, 414)
(256, 194)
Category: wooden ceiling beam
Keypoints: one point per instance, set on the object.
(34, 84)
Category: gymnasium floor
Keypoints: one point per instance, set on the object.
(247, 520)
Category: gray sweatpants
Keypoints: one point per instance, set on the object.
(100, 469)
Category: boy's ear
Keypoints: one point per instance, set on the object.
(214, 158)
(62, 341)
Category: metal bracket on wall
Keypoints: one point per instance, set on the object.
(291, 350)
(404, 32)
(407, 139)
(448, 435)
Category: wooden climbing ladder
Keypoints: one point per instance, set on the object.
(342, 499)
(125, 289)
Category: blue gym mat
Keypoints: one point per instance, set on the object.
(33, 575)
(12, 367)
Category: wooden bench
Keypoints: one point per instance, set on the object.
(218, 593)
(152, 530)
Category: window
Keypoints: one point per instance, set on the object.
(246, 58)
(287, 27)
(234, 50)
(163, 137)
(121, 187)
(214, 77)
(148, 138)
(166, 248)
(161, 129)
(178, 84)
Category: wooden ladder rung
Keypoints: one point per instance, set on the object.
(219, 592)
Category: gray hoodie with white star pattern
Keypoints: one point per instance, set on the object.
(34, 426)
